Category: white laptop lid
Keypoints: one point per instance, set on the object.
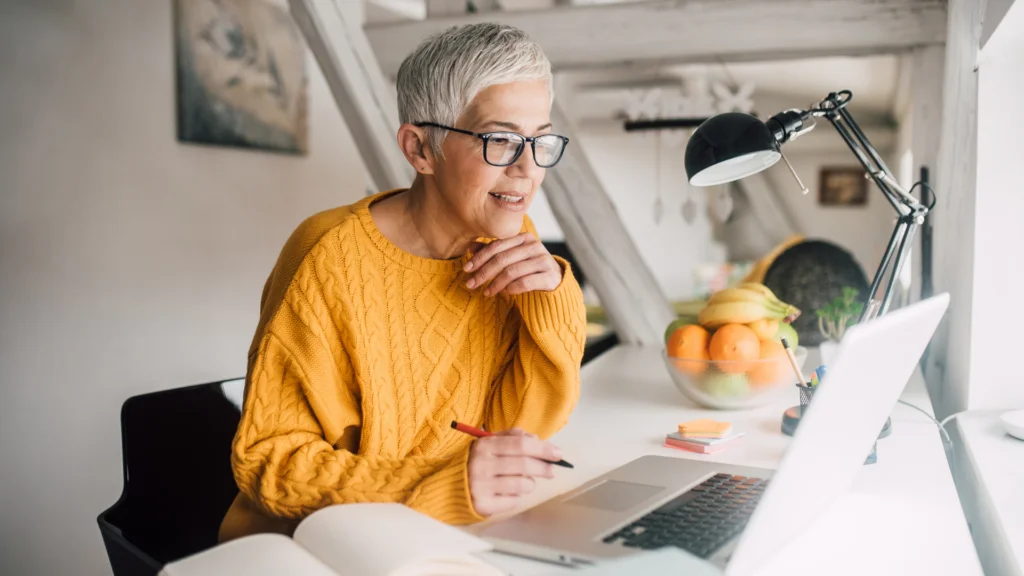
(872, 365)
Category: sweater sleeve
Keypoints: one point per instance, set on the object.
(289, 455)
(539, 382)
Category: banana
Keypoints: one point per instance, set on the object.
(792, 312)
(722, 313)
(743, 295)
(761, 289)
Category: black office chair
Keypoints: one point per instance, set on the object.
(178, 484)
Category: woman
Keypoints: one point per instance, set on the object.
(384, 321)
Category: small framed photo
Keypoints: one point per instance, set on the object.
(842, 186)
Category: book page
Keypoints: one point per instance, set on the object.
(390, 540)
(258, 555)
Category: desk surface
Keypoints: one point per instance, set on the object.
(904, 510)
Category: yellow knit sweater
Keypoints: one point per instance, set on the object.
(363, 356)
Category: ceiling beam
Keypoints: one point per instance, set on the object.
(614, 266)
(368, 105)
(443, 8)
(676, 31)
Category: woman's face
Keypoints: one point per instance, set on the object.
(491, 201)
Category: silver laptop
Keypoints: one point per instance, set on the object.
(738, 516)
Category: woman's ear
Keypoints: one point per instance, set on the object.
(413, 142)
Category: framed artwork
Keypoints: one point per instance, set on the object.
(241, 75)
(844, 186)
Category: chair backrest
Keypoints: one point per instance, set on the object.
(178, 482)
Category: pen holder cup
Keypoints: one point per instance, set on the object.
(806, 395)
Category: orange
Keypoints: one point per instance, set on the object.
(765, 328)
(735, 345)
(776, 371)
(689, 342)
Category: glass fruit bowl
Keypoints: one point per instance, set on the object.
(734, 385)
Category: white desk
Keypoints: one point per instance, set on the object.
(904, 516)
(991, 475)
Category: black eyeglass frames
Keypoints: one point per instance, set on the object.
(505, 148)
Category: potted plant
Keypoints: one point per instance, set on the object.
(834, 318)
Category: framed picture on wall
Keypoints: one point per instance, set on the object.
(842, 186)
(241, 75)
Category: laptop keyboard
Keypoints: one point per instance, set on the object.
(699, 521)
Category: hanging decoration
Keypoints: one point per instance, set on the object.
(672, 114)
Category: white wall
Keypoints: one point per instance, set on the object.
(128, 262)
(998, 266)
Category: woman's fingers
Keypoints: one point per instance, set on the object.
(513, 485)
(490, 250)
(522, 466)
(523, 446)
(500, 262)
(515, 272)
(494, 504)
(503, 467)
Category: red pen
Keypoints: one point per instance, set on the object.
(478, 433)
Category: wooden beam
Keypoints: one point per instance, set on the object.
(926, 84)
(367, 102)
(948, 370)
(443, 8)
(925, 111)
(995, 11)
(673, 31)
(629, 292)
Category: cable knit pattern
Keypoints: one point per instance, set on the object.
(363, 356)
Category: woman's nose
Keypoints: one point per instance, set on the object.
(525, 164)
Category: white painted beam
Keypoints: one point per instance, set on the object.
(629, 292)
(948, 371)
(995, 11)
(672, 31)
(926, 84)
(444, 8)
(925, 103)
(367, 102)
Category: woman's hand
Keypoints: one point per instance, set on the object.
(503, 467)
(514, 266)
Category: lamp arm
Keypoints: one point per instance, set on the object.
(911, 212)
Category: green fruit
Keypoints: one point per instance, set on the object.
(789, 333)
(726, 385)
(673, 326)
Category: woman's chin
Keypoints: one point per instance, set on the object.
(504, 228)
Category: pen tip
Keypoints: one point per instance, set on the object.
(455, 424)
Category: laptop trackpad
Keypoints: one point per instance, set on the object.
(614, 495)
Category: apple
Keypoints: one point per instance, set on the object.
(726, 385)
(789, 333)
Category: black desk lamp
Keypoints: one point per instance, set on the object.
(731, 146)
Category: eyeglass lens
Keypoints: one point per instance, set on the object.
(503, 148)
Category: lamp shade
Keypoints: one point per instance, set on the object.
(728, 147)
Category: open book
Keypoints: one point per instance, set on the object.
(348, 540)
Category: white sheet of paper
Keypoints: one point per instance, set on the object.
(258, 555)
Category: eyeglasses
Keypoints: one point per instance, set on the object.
(504, 148)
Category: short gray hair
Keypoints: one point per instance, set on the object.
(437, 82)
